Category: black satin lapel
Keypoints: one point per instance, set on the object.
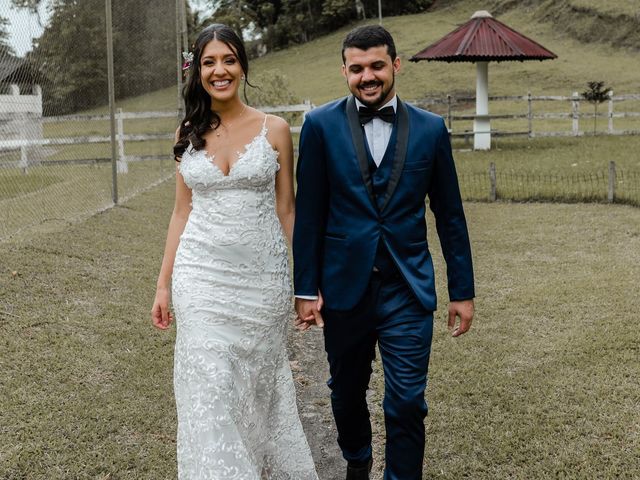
(358, 139)
(400, 153)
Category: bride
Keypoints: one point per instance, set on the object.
(226, 266)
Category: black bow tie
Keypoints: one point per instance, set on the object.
(367, 114)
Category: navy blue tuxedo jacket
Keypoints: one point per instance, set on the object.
(339, 223)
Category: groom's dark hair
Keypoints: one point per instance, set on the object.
(367, 37)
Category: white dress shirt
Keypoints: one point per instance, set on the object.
(378, 133)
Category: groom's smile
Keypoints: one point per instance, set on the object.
(370, 74)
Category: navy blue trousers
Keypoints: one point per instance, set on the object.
(390, 315)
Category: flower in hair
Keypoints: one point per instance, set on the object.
(188, 60)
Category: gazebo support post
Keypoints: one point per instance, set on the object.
(482, 123)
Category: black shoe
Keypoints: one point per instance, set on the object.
(359, 472)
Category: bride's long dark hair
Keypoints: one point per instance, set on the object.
(199, 118)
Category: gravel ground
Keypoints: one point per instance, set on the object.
(311, 372)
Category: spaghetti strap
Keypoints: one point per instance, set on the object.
(264, 124)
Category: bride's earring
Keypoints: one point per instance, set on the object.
(243, 78)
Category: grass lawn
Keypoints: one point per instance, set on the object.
(545, 386)
(52, 197)
(565, 169)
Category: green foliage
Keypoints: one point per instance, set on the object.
(5, 48)
(285, 22)
(272, 88)
(32, 5)
(72, 51)
(596, 93)
(338, 11)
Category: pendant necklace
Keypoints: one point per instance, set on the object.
(229, 125)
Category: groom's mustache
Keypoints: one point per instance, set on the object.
(372, 83)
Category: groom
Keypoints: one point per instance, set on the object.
(362, 265)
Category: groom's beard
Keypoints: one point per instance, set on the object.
(377, 103)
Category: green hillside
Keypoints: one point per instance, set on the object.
(313, 69)
(594, 40)
(613, 8)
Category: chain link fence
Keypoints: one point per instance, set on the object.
(615, 185)
(66, 151)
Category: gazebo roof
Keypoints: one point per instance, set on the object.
(482, 39)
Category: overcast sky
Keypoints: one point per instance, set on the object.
(23, 26)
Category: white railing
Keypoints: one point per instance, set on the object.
(574, 114)
(121, 137)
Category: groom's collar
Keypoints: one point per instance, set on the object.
(391, 103)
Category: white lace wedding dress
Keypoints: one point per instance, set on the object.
(237, 415)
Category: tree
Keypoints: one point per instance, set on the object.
(596, 93)
(286, 22)
(71, 52)
(397, 7)
(5, 48)
(31, 5)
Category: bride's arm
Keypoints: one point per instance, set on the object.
(285, 201)
(160, 313)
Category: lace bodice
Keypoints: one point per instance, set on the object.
(254, 168)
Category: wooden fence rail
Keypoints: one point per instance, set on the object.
(574, 114)
(531, 116)
(23, 144)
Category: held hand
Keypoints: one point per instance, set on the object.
(161, 316)
(308, 313)
(320, 301)
(463, 309)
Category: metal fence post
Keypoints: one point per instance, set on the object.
(123, 166)
(112, 101)
(610, 111)
(530, 114)
(24, 160)
(449, 119)
(575, 113)
(611, 194)
(179, 59)
(493, 194)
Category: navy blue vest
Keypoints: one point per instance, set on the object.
(380, 176)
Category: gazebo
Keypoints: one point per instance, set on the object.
(481, 40)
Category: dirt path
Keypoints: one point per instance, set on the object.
(310, 372)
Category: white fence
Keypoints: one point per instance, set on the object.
(574, 114)
(25, 144)
(449, 104)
